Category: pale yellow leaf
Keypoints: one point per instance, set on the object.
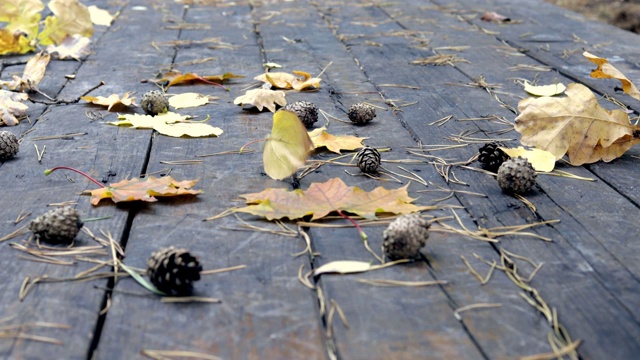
(100, 16)
(32, 75)
(607, 71)
(282, 80)
(262, 98)
(321, 138)
(187, 129)
(139, 121)
(343, 267)
(73, 46)
(188, 100)
(22, 17)
(544, 90)
(113, 102)
(540, 160)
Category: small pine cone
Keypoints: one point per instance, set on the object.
(368, 160)
(57, 226)
(173, 271)
(516, 176)
(405, 236)
(491, 156)
(361, 113)
(154, 103)
(306, 111)
(9, 145)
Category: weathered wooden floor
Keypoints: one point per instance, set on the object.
(590, 273)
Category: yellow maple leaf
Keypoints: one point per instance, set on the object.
(11, 107)
(113, 102)
(321, 138)
(22, 16)
(544, 90)
(144, 189)
(575, 125)
(73, 46)
(187, 100)
(169, 123)
(32, 75)
(282, 80)
(541, 160)
(262, 98)
(323, 198)
(100, 16)
(71, 17)
(607, 71)
(287, 147)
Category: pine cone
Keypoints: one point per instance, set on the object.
(57, 226)
(361, 113)
(9, 145)
(173, 271)
(516, 176)
(491, 157)
(306, 111)
(154, 103)
(405, 236)
(368, 160)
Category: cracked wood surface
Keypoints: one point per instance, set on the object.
(589, 276)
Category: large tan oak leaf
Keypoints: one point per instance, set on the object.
(575, 125)
(323, 198)
(144, 189)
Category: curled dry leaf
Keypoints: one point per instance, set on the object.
(492, 16)
(321, 138)
(32, 75)
(144, 189)
(287, 147)
(544, 90)
(575, 125)
(323, 198)
(262, 98)
(71, 17)
(73, 46)
(607, 71)
(113, 102)
(541, 160)
(282, 80)
(11, 107)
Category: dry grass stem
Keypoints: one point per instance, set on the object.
(568, 349)
(228, 152)
(53, 137)
(524, 200)
(18, 232)
(222, 270)
(168, 354)
(400, 86)
(457, 312)
(307, 241)
(304, 279)
(343, 318)
(475, 273)
(64, 203)
(189, 299)
(522, 67)
(40, 154)
(440, 60)
(23, 215)
(180, 162)
(388, 282)
(561, 173)
(442, 121)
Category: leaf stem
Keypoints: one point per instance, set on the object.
(362, 234)
(249, 143)
(49, 171)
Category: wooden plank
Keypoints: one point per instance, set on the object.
(104, 152)
(493, 211)
(370, 316)
(265, 312)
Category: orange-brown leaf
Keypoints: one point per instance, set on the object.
(175, 77)
(144, 189)
(113, 102)
(323, 198)
(607, 71)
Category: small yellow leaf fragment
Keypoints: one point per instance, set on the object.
(100, 16)
(544, 90)
(188, 100)
(541, 160)
(343, 267)
(607, 71)
(321, 138)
